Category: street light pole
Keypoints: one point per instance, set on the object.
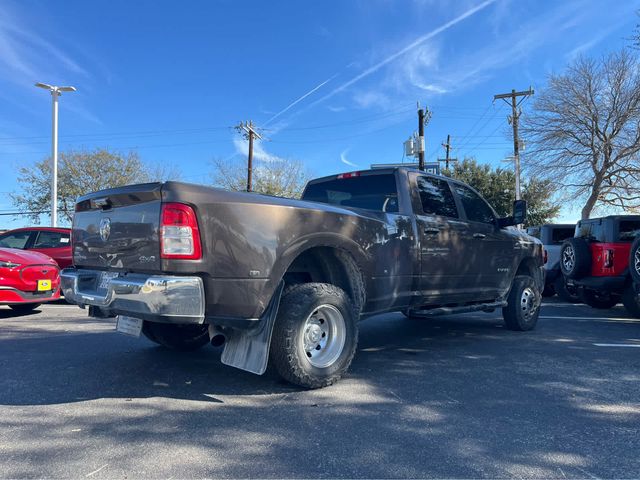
(54, 160)
(55, 93)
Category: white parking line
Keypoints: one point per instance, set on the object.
(632, 345)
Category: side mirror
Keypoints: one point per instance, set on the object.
(519, 215)
(519, 212)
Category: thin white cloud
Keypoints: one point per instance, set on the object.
(419, 41)
(345, 160)
(295, 102)
(25, 55)
(259, 153)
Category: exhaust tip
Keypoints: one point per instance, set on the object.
(218, 340)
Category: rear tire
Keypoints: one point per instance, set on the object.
(600, 301)
(565, 292)
(24, 307)
(523, 304)
(315, 335)
(631, 301)
(634, 260)
(575, 258)
(184, 338)
(147, 332)
(549, 291)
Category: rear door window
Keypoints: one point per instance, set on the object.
(476, 207)
(436, 197)
(369, 192)
(15, 240)
(628, 230)
(51, 240)
(560, 234)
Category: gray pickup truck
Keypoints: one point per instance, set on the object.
(286, 281)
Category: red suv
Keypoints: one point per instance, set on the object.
(603, 261)
(53, 242)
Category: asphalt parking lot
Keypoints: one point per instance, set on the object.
(449, 397)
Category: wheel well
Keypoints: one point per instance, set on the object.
(328, 265)
(527, 267)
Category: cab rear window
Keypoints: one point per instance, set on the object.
(369, 192)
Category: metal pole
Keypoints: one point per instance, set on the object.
(421, 139)
(516, 141)
(250, 158)
(54, 160)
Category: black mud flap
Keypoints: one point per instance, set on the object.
(249, 349)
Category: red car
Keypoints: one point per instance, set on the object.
(602, 261)
(27, 279)
(53, 242)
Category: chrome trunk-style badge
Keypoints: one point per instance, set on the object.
(105, 229)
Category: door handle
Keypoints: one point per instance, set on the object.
(479, 236)
(431, 230)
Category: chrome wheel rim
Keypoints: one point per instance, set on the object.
(568, 258)
(636, 260)
(323, 336)
(528, 303)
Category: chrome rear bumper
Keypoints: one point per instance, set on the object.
(159, 298)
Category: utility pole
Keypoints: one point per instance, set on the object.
(447, 148)
(249, 133)
(424, 115)
(55, 93)
(514, 119)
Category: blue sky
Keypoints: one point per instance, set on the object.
(334, 83)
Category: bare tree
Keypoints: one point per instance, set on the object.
(584, 132)
(81, 172)
(282, 178)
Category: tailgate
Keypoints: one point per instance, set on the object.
(118, 228)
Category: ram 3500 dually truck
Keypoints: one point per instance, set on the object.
(288, 280)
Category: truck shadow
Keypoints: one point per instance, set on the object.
(448, 397)
(42, 367)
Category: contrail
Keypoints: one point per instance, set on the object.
(399, 53)
(292, 104)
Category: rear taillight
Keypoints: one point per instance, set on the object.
(608, 258)
(545, 256)
(179, 232)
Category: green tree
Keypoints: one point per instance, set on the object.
(80, 172)
(281, 178)
(497, 186)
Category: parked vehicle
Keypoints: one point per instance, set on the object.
(598, 260)
(187, 264)
(552, 235)
(27, 279)
(53, 242)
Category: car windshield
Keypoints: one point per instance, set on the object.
(369, 192)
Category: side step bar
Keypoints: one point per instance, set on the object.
(431, 312)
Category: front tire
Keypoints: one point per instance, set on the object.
(600, 301)
(315, 335)
(631, 301)
(184, 338)
(24, 307)
(523, 305)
